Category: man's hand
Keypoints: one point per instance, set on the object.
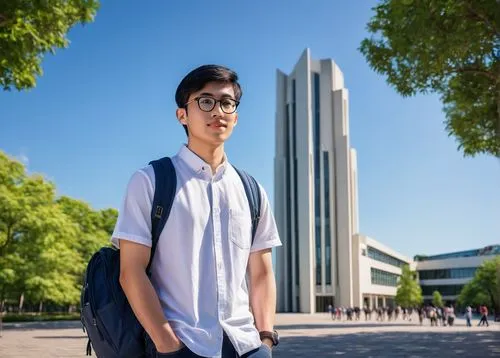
(171, 347)
(168, 342)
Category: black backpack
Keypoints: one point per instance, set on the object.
(106, 315)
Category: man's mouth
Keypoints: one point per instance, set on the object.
(217, 125)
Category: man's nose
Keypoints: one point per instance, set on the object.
(217, 111)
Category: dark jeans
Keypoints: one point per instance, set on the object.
(228, 351)
(484, 320)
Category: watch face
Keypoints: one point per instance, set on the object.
(276, 338)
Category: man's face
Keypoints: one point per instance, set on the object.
(211, 126)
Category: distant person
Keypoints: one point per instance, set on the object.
(450, 315)
(380, 313)
(197, 302)
(468, 315)
(484, 316)
(368, 313)
(421, 314)
(330, 311)
(410, 313)
(433, 316)
(357, 312)
(389, 313)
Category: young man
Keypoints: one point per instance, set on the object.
(197, 303)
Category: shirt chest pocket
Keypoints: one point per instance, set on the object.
(240, 229)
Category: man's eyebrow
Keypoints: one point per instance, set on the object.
(212, 95)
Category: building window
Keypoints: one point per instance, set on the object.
(488, 250)
(444, 290)
(289, 205)
(317, 178)
(464, 272)
(295, 184)
(328, 234)
(384, 278)
(385, 258)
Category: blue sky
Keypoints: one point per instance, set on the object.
(105, 107)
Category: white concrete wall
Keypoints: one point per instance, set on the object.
(305, 183)
(379, 246)
(343, 195)
(363, 280)
(354, 191)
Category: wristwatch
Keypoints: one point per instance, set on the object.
(273, 336)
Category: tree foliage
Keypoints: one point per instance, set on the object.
(30, 29)
(45, 241)
(450, 47)
(409, 293)
(484, 287)
(437, 299)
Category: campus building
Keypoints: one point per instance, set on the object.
(376, 272)
(448, 273)
(315, 186)
(324, 259)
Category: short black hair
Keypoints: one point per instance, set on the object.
(199, 77)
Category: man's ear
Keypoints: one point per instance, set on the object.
(181, 115)
(235, 119)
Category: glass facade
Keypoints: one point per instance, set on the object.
(465, 272)
(384, 278)
(328, 236)
(289, 242)
(295, 191)
(383, 257)
(444, 290)
(488, 250)
(317, 177)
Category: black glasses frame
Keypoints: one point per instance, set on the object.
(197, 99)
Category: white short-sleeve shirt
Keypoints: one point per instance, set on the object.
(199, 268)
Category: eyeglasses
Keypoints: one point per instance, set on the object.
(207, 104)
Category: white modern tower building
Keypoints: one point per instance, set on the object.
(324, 259)
(316, 203)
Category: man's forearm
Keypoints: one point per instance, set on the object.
(263, 301)
(146, 305)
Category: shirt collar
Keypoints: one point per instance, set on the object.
(197, 164)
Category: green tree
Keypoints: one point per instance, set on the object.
(484, 287)
(94, 227)
(45, 241)
(448, 47)
(409, 293)
(30, 29)
(437, 299)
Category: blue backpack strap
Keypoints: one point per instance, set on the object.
(252, 192)
(165, 188)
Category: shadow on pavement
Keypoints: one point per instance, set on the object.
(60, 337)
(342, 325)
(43, 325)
(393, 344)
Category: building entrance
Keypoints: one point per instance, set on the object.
(322, 303)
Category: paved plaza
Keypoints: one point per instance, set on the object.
(303, 335)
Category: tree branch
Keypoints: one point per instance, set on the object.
(7, 240)
(3, 20)
(477, 71)
(483, 17)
